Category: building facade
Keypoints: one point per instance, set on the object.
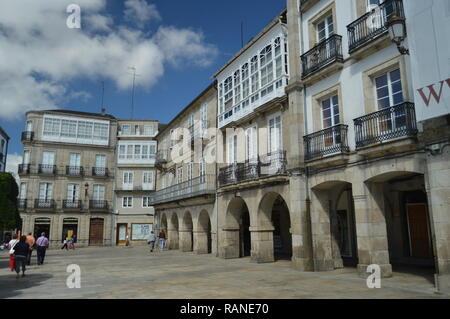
(185, 200)
(135, 179)
(67, 176)
(4, 140)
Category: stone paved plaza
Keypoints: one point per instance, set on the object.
(132, 272)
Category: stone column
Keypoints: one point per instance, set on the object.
(371, 229)
(321, 231)
(229, 247)
(262, 244)
(173, 239)
(214, 250)
(438, 192)
(201, 242)
(185, 240)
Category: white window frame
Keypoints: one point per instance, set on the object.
(269, 136)
(127, 202)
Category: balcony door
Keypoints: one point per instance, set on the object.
(251, 144)
(74, 164)
(23, 191)
(45, 194)
(26, 157)
(232, 149)
(147, 181)
(48, 161)
(73, 193)
(100, 165)
(98, 196)
(128, 180)
(275, 143)
(330, 118)
(29, 126)
(389, 93)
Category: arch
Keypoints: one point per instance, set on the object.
(202, 236)
(237, 239)
(186, 233)
(163, 223)
(390, 175)
(173, 232)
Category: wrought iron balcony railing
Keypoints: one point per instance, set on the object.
(267, 165)
(373, 23)
(98, 204)
(44, 203)
(332, 140)
(162, 156)
(47, 169)
(27, 136)
(74, 170)
(388, 124)
(202, 185)
(71, 204)
(100, 172)
(24, 169)
(21, 203)
(323, 54)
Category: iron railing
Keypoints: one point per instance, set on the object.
(201, 185)
(21, 203)
(74, 170)
(47, 169)
(326, 52)
(98, 204)
(388, 124)
(24, 169)
(273, 163)
(162, 156)
(27, 136)
(373, 23)
(100, 172)
(71, 204)
(332, 140)
(44, 203)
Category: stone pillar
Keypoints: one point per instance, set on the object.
(185, 240)
(371, 230)
(214, 249)
(229, 247)
(321, 231)
(438, 192)
(173, 239)
(201, 242)
(262, 244)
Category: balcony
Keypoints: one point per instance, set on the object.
(47, 169)
(322, 59)
(330, 141)
(162, 156)
(71, 204)
(202, 185)
(27, 136)
(76, 171)
(98, 204)
(44, 204)
(371, 26)
(100, 172)
(21, 203)
(390, 124)
(24, 169)
(271, 164)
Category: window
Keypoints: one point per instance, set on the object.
(45, 191)
(137, 130)
(146, 202)
(100, 131)
(23, 191)
(127, 202)
(99, 193)
(266, 55)
(251, 144)
(100, 161)
(325, 29)
(126, 129)
(204, 118)
(266, 74)
(180, 175)
(122, 152)
(189, 172)
(148, 130)
(389, 89)
(69, 128)
(228, 91)
(85, 130)
(128, 180)
(232, 149)
(275, 133)
(73, 192)
(26, 157)
(51, 127)
(147, 180)
(330, 112)
(255, 74)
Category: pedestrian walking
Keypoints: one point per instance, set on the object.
(31, 241)
(73, 241)
(12, 243)
(42, 245)
(162, 240)
(21, 250)
(151, 241)
(65, 243)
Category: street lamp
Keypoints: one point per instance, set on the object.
(397, 32)
(86, 187)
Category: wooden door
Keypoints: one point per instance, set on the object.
(122, 231)
(96, 232)
(419, 236)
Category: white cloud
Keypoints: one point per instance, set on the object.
(12, 164)
(140, 12)
(40, 56)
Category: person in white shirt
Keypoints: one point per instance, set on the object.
(151, 241)
(11, 244)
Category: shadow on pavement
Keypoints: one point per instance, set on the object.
(10, 286)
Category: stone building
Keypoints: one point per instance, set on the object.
(67, 176)
(134, 180)
(186, 178)
(4, 140)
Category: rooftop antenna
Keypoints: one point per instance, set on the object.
(132, 93)
(242, 34)
(103, 94)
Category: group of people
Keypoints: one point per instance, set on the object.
(21, 250)
(161, 238)
(69, 243)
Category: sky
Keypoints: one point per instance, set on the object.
(176, 47)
